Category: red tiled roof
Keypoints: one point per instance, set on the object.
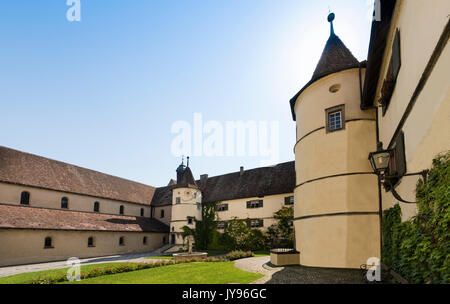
(27, 169)
(26, 217)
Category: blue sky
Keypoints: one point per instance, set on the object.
(103, 93)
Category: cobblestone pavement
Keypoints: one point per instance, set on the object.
(298, 274)
(257, 264)
(138, 258)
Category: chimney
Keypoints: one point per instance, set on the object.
(203, 178)
(242, 171)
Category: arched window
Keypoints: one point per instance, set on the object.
(121, 209)
(162, 213)
(25, 198)
(96, 207)
(122, 241)
(91, 242)
(144, 240)
(48, 242)
(142, 211)
(65, 203)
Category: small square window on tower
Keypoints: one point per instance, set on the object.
(335, 118)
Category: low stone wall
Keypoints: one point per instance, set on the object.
(284, 257)
(187, 256)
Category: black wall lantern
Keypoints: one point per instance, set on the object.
(380, 161)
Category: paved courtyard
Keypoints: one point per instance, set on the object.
(298, 274)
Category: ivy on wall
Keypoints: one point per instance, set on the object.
(419, 249)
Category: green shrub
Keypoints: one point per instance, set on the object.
(238, 254)
(419, 249)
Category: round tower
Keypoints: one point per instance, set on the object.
(186, 204)
(336, 217)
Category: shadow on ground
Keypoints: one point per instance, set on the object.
(312, 275)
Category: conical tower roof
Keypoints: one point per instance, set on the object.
(335, 57)
(187, 179)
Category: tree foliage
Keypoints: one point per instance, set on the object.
(281, 234)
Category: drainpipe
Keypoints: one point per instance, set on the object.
(379, 147)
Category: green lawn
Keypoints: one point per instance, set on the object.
(24, 278)
(189, 273)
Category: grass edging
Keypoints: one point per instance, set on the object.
(120, 268)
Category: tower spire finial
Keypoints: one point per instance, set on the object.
(330, 19)
(187, 165)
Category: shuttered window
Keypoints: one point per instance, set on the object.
(397, 161)
(388, 86)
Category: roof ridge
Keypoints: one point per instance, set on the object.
(69, 164)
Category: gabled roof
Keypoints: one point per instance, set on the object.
(22, 168)
(26, 217)
(163, 196)
(257, 182)
(335, 57)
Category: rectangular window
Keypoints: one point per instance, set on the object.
(222, 207)
(254, 204)
(335, 118)
(162, 213)
(256, 223)
(190, 220)
(289, 200)
(178, 200)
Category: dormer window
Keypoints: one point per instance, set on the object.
(335, 118)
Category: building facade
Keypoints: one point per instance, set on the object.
(51, 211)
(398, 102)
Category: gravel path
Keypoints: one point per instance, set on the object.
(257, 264)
